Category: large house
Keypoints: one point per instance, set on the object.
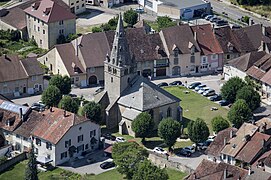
(20, 77)
(127, 94)
(46, 20)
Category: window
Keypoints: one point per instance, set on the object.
(214, 56)
(193, 50)
(192, 59)
(48, 146)
(43, 31)
(61, 31)
(149, 3)
(43, 23)
(192, 68)
(77, 7)
(60, 22)
(34, 78)
(76, 79)
(80, 148)
(38, 141)
(72, 80)
(48, 156)
(203, 60)
(92, 133)
(34, 19)
(25, 139)
(63, 155)
(77, 1)
(176, 53)
(34, 27)
(80, 138)
(86, 146)
(36, 151)
(83, 5)
(176, 61)
(38, 28)
(169, 112)
(68, 143)
(111, 79)
(40, 41)
(72, 4)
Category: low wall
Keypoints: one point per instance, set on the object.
(12, 161)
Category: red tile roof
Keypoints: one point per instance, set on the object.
(255, 72)
(206, 39)
(49, 11)
(267, 78)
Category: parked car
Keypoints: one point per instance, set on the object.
(221, 23)
(201, 91)
(175, 83)
(236, 26)
(194, 85)
(209, 92)
(211, 138)
(190, 149)
(120, 139)
(159, 150)
(200, 87)
(107, 165)
(223, 103)
(215, 97)
(91, 160)
(183, 152)
(204, 145)
(162, 84)
(139, 10)
(214, 19)
(208, 17)
(109, 136)
(38, 106)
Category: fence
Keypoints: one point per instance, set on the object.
(12, 161)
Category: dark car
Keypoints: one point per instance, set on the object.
(38, 107)
(216, 97)
(107, 165)
(236, 26)
(183, 152)
(109, 136)
(193, 85)
(72, 95)
(223, 103)
(162, 84)
(175, 83)
(221, 23)
(100, 89)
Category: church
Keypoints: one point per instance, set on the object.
(127, 94)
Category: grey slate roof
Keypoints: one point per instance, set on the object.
(143, 95)
(130, 113)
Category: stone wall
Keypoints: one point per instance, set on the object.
(12, 161)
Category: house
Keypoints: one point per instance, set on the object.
(46, 21)
(26, 76)
(211, 53)
(239, 66)
(127, 94)
(76, 6)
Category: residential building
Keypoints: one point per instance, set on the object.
(46, 20)
(211, 53)
(127, 94)
(175, 9)
(76, 6)
(26, 76)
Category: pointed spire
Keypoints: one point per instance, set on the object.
(120, 27)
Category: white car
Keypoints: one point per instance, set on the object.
(190, 149)
(211, 138)
(200, 87)
(201, 91)
(209, 92)
(120, 139)
(159, 150)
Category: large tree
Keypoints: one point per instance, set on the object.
(31, 172)
(198, 131)
(69, 104)
(127, 156)
(230, 88)
(51, 96)
(251, 97)
(93, 111)
(239, 113)
(130, 17)
(169, 130)
(62, 83)
(147, 171)
(142, 125)
(164, 22)
(219, 124)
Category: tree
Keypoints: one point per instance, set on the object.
(239, 113)
(130, 17)
(250, 82)
(61, 39)
(69, 104)
(96, 29)
(126, 156)
(71, 37)
(15, 35)
(198, 131)
(142, 125)
(164, 22)
(219, 124)
(93, 111)
(31, 172)
(51, 96)
(169, 130)
(230, 88)
(146, 170)
(62, 83)
(251, 97)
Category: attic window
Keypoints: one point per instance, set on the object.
(36, 5)
(47, 11)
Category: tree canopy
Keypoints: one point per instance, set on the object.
(51, 96)
(169, 130)
(231, 87)
(239, 113)
(164, 22)
(130, 17)
(142, 125)
(31, 172)
(251, 96)
(69, 104)
(219, 124)
(62, 83)
(93, 111)
(198, 131)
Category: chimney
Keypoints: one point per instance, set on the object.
(249, 170)
(64, 113)
(263, 30)
(21, 113)
(195, 36)
(225, 174)
(225, 141)
(231, 134)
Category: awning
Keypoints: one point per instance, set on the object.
(43, 159)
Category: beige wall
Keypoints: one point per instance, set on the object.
(142, 65)
(76, 6)
(168, 11)
(96, 71)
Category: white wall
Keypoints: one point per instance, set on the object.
(230, 72)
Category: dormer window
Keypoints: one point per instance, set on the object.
(47, 11)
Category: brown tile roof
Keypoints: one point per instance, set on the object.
(179, 36)
(260, 69)
(27, 4)
(14, 17)
(267, 78)
(206, 39)
(253, 147)
(8, 64)
(235, 144)
(209, 170)
(255, 72)
(157, 46)
(247, 60)
(9, 116)
(70, 59)
(267, 161)
(262, 158)
(218, 144)
(32, 66)
(54, 125)
(49, 11)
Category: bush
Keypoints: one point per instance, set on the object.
(96, 29)
(231, 87)
(69, 104)
(219, 124)
(93, 111)
(164, 22)
(130, 17)
(51, 96)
